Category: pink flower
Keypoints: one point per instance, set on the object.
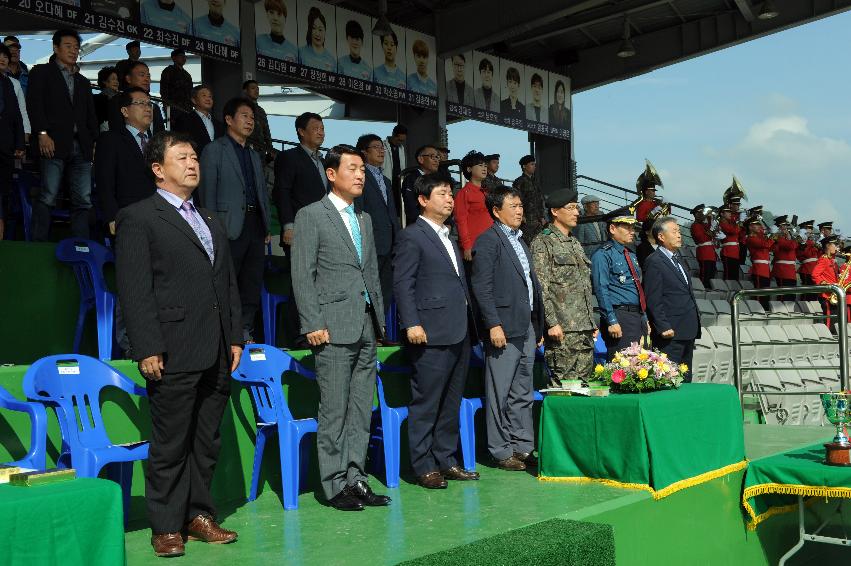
(618, 376)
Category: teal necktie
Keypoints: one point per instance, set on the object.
(356, 238)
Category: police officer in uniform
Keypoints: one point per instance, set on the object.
(565, 275)
(616, 277)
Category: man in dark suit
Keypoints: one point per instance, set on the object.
(62, 114)
(671, 307)
(377, 201)
(335, 282)
(200, 123)
(232, 184)
(434, 309)
(121, 175)
(508, 295)
(137, 75)
(300, 177)
(178, 290)
(11, 135)
(428, 161)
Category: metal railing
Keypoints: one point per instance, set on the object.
(842, 338)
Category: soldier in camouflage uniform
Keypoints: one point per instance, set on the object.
(534, 217)
(565, 274)
(491, 182)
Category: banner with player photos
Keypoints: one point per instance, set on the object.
(205, 27)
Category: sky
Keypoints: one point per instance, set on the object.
(773, 111)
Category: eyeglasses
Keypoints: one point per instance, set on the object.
(571, 206)
(143, 103)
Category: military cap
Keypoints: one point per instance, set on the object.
(832, 239)
(698, 209)
(526, 159)
(825, 225)
(588, 199)
(781, 220)
(620, 216)
(491, 157)
(560, 198)
(752, 220)
(649, 178)
(807, 224)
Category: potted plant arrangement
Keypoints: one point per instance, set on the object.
(636, 370)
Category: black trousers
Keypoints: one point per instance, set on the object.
(440, 373)
(633, 329)
(808, 280)
(708, 270)
(679, 351)
(731, 268)
(186, 412)
(248, 253)
(786, 283)
(385, 278)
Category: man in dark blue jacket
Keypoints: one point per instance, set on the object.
(377, 201)
(671, 307)
(508, 294)
(434, 309)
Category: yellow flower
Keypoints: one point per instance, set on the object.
(624, 363)
(664, 355)
(642, 373)
(616, 358)
(643, 356)
(666, 368)
(599, 368)
(683, 368)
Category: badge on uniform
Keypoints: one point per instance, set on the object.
(622, 278)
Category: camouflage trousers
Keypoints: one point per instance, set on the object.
(572, 358)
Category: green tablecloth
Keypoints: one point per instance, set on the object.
(772, 483)
(661, 442)
(74, 522)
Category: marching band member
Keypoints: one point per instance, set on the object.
(826, 272)
(704, 241)
(730, 244)
(785, 254)
(646, 186)
(759, 246)
(808, 253)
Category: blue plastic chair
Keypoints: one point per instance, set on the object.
(391, 327)
(72, 384)
(260, 370)
(269, 303)
(88, 258)
(36, 457)
(391, 426)
(471, 405)
(600, 352)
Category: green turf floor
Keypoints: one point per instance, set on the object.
(419, 521)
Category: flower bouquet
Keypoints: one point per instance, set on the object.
(636, 369)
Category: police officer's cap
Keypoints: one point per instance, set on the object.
(560, 198)
(526, 159)
(588, 199)
(491, 157)
(620, 216)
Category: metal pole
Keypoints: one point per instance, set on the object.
(737, 350)
(842, 334)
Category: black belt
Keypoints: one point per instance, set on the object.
(251, 208)
(629, 308)
(367, 307)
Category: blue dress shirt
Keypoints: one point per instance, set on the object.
(612, 279)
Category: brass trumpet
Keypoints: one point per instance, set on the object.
(844, 276)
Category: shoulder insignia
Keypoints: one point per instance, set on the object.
(546, 231)
(607, 246)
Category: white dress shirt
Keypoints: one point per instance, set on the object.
(443, 234)
(341, 206)
(207, 120)
(670, 255)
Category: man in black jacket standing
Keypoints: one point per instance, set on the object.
(508, 294)
(62, 114)
(11, 136)
(671, 307)
(121, 175)
(178, 290)
(199, 122)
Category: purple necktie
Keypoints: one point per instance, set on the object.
(186, 209)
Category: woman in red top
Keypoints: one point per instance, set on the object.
(826, 272)
(471, 213)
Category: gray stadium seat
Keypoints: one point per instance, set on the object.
(723, 310)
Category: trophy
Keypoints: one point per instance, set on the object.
(836, 409)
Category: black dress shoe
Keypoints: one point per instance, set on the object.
(511, 464)
(460, 474)
(527, 458)
(432, 480)
(346, 500)
(363, 492)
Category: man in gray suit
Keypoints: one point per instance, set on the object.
(508, 294)
(592, 235)
(486, 96)
(457, 89)
(232, 185)
(336, 287)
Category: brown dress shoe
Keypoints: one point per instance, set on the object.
(205, 529)
(511, 464)
(168, 544)
(460, 474)
(527, 458)
(432, 480)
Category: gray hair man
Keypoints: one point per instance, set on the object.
(591, 234)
